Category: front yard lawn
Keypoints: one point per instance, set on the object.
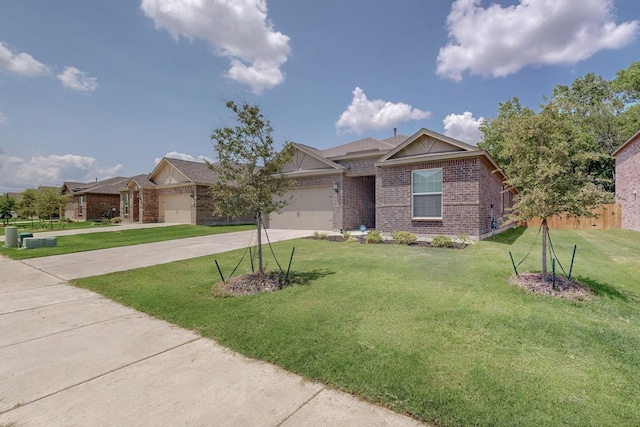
(117, 238)
(436, 333)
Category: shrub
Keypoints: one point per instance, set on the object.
(319, 236)
(404, 237)
(442, 241)
(374, 236)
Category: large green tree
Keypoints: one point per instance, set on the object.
(605, 113)
(627, 86)
(7, 203)
(49, 203)
(249, 168)
(545, 156)
(26, 207)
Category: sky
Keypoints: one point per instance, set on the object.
(96, 89)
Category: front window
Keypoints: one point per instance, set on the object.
(80, 202)
(126, 203)
(426, 194)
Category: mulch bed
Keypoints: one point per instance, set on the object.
(564, 288)
(362, 239)
(250, 284)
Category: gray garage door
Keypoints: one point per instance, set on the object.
(310, 209)
(175, 208)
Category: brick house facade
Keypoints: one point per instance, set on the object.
(628, 181)
(373, 186)
(176, 191)
(94, 200)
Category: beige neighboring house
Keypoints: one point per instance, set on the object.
(176, 191)
(628, 181)
(427, 183)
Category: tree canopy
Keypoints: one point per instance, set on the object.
(7, 203)
(249, 168)
(605, 113)
(49, 202)
(559, 157)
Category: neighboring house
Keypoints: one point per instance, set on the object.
(94, 200)
(628, 181)
(427, 184)
(176, 191)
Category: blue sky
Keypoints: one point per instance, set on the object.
(96, 89)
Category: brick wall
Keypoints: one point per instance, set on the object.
(357, 197)
(461, 202)
(359, 167)
(491, 193)
(204, 210)
(96, 205)
(150, 205)
(628, 182)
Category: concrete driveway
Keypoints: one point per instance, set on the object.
(69, 357)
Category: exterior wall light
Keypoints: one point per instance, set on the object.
(335, 187)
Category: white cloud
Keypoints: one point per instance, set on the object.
(3, 119)
(183, 156)
(239, 30)
(364, 115)
(497, 41)
(463, 127)
(20, 63)
(72, 78)
(17, 174)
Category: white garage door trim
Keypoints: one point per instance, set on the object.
(310, 209)
(175, 208)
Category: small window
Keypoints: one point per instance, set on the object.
(80, 202)
(426, 194)
(126, 203)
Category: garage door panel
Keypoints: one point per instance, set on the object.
(309, 209)
(175, 208)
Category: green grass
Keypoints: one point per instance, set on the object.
(117, 238)
(435, 333)
(27, 226)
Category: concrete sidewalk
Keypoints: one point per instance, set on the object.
(71, 357)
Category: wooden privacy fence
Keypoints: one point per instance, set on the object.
(609, 216)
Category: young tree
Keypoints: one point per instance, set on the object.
(26, 207)
(7, 203)
(546, 158)
(250, 178)
(49, 202)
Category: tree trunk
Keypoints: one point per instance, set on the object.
(259, 223)
(545, 230)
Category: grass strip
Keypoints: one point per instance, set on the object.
(118, 238)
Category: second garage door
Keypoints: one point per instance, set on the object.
(175, 208)
(310, 209)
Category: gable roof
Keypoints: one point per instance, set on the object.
(72, 187)
(193, 172)
(310, 160)
(431, 143)
(427, 145)
(106, 186)
(365, 147)
(141, 180)
(626, 143)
